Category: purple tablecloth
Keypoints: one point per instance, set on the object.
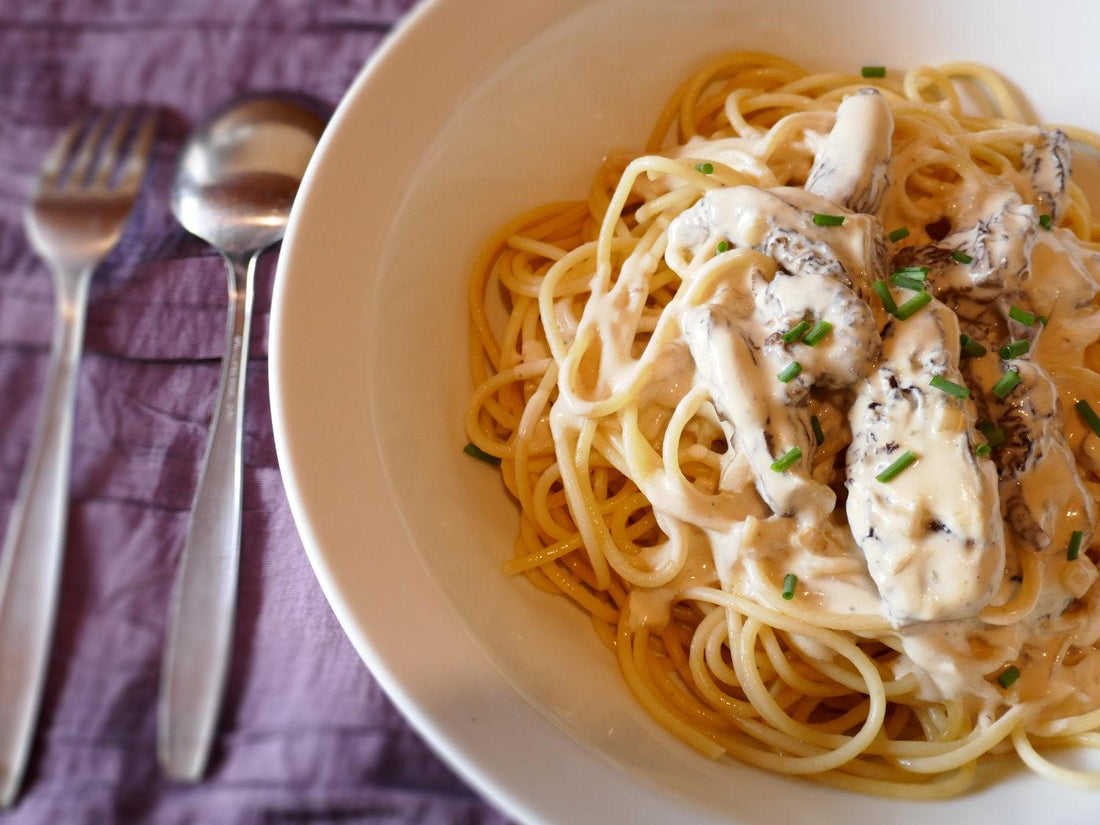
(306, 735)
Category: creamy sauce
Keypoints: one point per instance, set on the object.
(945, 548)
(935, 550)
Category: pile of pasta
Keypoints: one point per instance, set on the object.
(772, 682)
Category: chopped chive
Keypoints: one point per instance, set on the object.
(1008, 676)
(1022, 315)
(705, 168)
(873, 71)
(899, 233)
(819, 434)
(1007, 383)
(996, 436)
(478, 453)
(821, 219)
(891, 472)
(789, 372)
(884, 295)
(790, 582)
(916, 271)
(1042, 319)
(1075, 545)
(815, 335)
(970, 347)
(950, 387)
(1045, 222)
(723, 246)
(796, 332)
(961, 257)
(913, 305)
(907, 281)
(1015, 349)
(983, 450)
(1090, 416)
(785, 461)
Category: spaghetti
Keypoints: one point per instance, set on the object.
(793, 406)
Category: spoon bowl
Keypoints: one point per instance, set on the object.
(240, 169)
(235, 184)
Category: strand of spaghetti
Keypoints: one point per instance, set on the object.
(959, 753)
(1023, 600)
(1086, 780)
(851, 622)
(918, 80)
(945, 787)
(706, 665)
(532, 413)
(792, 677)
(991, 83)
(537, 248)
(843, 748)
(1067, 726)
(550, 292)
(646, 695)
(482, 268)
(520, 372)
(762, 700)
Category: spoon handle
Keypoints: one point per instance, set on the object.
(201, 613)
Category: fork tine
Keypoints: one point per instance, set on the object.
(54, 163)
(89, 148)
(132, 169)
(108, 158)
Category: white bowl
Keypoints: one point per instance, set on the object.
(472, 113)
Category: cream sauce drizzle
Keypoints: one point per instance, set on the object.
(947, 538)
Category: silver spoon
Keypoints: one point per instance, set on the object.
(235, 183)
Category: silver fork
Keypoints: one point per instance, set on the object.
(75, 216)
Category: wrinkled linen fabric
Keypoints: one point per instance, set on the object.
(306, 735)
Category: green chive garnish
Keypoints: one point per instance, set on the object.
(827, 220)
(884, 295)
(891, 472)
(916, 271)
(1042, 319)
(983, 450)
(1015, 349)
(970, 347)
(907, 281)
(1090, 416)
(790, 582)
(961, 257)
(996, 436)
(899, 233)
(1075, 545)
(705, 168)
(1007, 383)
(1022, 315)
(789, 372)
(819, 434)
(873, 71)
(1045, 222)
(723, 246)
(478, 453)
(796, 332)
(815, 335)
(788, 458)
(1008, 676)
(950, 387)
(910, 307)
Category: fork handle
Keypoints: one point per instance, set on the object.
(201, 614)
(31, 559)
